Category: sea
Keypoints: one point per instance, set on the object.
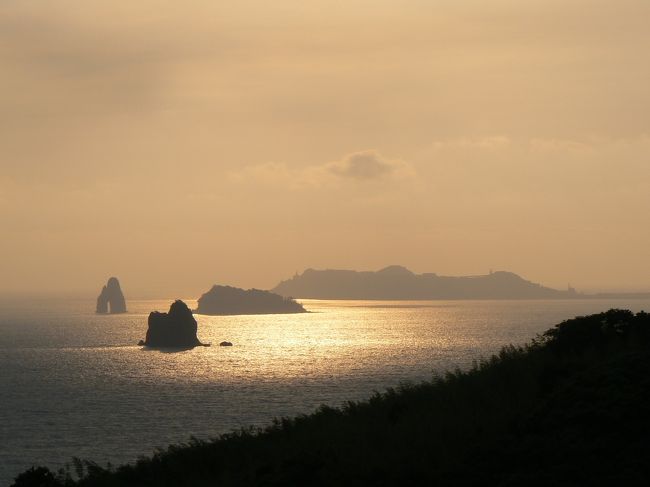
(76, 384)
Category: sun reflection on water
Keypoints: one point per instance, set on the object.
(66, 372)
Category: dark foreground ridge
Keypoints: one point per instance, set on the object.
(227, 300)
(569, 409)
(110, 299)
(175, 329)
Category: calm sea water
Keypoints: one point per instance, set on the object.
(73, 383)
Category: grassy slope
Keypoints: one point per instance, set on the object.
(572, 408)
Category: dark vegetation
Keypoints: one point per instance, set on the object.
(571, 408)
(228, 300)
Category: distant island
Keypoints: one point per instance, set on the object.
(110, 299)
(175, 329)
(227, 300)
(398, 283)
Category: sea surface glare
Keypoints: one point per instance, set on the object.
(73, 383)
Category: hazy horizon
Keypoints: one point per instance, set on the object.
(180, 146)
(91, 293)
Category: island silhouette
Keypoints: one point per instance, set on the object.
(174, 329)
(110, 299)
(228, 300)
(398, 283)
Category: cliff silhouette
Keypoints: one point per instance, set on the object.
(227, 300)
(175, 329)
(570, 408)
(399, 283)
(110, 299)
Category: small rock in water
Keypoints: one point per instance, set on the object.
(225, 344)
(177, 328)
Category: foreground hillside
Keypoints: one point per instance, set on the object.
(572, 408)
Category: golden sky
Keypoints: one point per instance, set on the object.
(181, 144)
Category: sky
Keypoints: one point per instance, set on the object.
(177, 145)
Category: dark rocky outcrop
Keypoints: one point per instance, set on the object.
(175, 329)
(225, 344)
(111, 300)
(227, 300)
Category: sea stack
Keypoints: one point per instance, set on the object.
(175, 329)
(111, 300)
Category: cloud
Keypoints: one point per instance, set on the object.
(491, 142)
(367, 165)
(357, 167)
